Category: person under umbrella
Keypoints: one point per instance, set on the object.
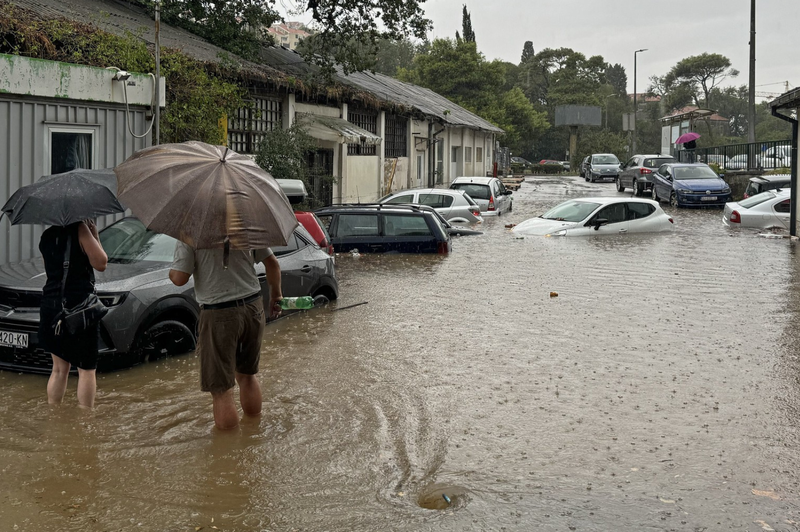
(689, 141)
(225, 212)
(68, 202)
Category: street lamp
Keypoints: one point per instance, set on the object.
(635, 129)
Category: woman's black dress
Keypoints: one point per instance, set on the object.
(80, 349)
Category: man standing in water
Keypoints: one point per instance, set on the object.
(231, 323)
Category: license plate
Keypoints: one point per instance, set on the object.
(12, 339)
(708, 198)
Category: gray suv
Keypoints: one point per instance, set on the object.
(148, 316)
(637, 173)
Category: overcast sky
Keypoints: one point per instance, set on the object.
(670, 29)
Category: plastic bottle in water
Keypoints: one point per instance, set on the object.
(291, 303)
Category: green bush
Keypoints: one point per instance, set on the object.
(547, 169)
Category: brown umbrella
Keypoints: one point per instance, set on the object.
(207, 196)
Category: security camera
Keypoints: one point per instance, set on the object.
(121, 75)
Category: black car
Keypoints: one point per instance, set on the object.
(385, 228)
(149, 317)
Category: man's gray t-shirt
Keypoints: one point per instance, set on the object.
(212, 282)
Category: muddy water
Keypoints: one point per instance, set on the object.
(659, 391)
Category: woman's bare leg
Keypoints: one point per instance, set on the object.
(57, 384)
(87, 387)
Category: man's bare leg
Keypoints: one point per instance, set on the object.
(249, 394)
(57, 384)
(87, 387)
(225, 415)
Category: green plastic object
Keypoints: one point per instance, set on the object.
(292, 303)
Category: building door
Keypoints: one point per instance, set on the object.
(320, 164)
(456, 162)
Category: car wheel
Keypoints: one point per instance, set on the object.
(591, 178)
(673, 200)
(637, 190)
(165, 338)
(655, 196)
(620, 188)
(586, 177)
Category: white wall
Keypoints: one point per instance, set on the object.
(358, 185)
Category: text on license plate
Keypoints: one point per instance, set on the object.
(708, 198)
(13, 339)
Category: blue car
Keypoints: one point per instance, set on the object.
(690, 185)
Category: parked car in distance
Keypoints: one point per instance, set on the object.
(766, 210)
(690, 185)
(598, 216)
(385, 228)
(584, 164)
(759, 184)
(602, 167)
(148, 317)
(566, 165)
(719, 160)
(740, 162)
(488, 192)
(637, 172)
(454, 205)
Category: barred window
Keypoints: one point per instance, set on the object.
(251, 122)
(478, 155)
(396, 137)
(366, 120)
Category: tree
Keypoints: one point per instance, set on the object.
(466, 26)
(346, 31)
(283, 152)
(527, 52)
(393, 55)
(700, 74)
(617, 78)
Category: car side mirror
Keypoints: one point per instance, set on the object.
(508, 193)
(598, 222)
(669, 178)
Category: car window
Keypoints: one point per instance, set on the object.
(614, 213)
(403, 198)
(129, 241)
(323, 226)
(571, 211)
(637, 211)
(752, 189)
(325, 220)
(469, 199)
(291, 245)
(481, 192)
(500, 187)
(783, 207)
(664, 170)
(756, 199)
(604, 159)
(631, 162)
(694, 172)
(436, 200)
(655, 163)
(405, 225)
(357, 225)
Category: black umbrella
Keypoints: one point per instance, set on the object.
(63, 199)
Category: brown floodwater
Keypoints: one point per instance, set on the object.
(660, 390)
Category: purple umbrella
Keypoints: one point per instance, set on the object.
(687, 137)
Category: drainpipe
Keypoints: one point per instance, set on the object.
(434, 147)
(157, 115)
(430, 154)
(793, 203)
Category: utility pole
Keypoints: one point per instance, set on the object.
(157, 114)
(751, 102)
(635, 129)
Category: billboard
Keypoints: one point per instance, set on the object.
(578, 115)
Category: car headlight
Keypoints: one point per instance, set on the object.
(112, 299)
(684, 191)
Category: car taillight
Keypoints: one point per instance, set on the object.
(644, 171)
(736, 218)
(671, 221)
(491, 203)
(329, 249)
(476, 211)
(443, 247)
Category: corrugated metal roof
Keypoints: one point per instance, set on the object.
(789, 99)
(335, 129)
(121, 18)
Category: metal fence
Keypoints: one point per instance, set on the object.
(768, 155)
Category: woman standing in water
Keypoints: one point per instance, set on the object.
(86, 255)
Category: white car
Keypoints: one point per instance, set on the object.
(455, 206)
(598, 216)
(766, 210)
(488, 192)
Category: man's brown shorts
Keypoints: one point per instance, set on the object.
(228, 341)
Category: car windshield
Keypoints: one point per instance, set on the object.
(481, 192)
(571, 211)
(681, 173)
(129, 241)
(752, 201)
(604, 159)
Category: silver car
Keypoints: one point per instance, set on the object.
(489, 193)
(454, 205)
(602, 167)
(637, 172)
(149, 317)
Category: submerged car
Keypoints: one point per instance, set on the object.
(454, 205)
(601, 167)
(598, 216)
(690, 185)
(385, 228)
(148, 317)
(762, 183)
(767, 210)
(489, 193)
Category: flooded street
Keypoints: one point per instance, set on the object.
(658, 391)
